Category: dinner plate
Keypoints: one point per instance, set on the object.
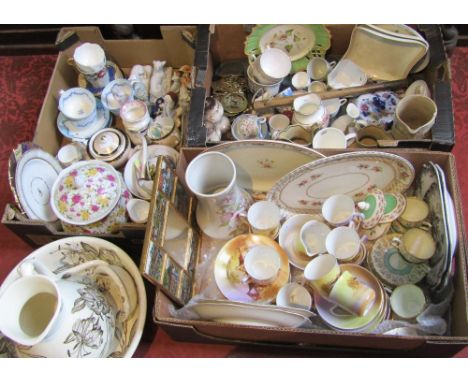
(341, 320)
(383, 57)
(85, 192)
(35, 175)
(305, 189)
(71, 130)
(229, 270)
(260, 164)
(250, 314)
(130, 170)
(66, 253)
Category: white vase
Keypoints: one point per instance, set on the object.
(222, 204)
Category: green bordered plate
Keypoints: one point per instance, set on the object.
(299, 40)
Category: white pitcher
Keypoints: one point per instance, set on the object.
(48, 315)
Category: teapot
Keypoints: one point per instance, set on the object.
(48, 315)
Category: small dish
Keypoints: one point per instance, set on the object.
(70, 130)
(395, 204)
(293, 295)
(229, 270)
(138, 210)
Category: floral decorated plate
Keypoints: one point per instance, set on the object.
(35, 174)
(114, 74)
(260, 164)
(390, 267)
(66, 253)
(344, 321)
(394, 206)
(297, 40)
(229, 270)
(69, 129)
(86, 192)
(378, 108)
(241, 313)
(304, 189)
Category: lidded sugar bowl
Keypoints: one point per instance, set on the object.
(111, 146)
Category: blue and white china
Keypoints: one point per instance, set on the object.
(116, 93)
(378, 108)
(78, 104)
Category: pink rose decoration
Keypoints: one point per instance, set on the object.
(76, 198)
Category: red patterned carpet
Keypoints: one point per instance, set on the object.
(23, 84)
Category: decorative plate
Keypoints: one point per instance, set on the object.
(390, 267)
(384, 57)
(66, 253)
(394, 206)
(70, 130)
(297, 40)
(375, 232)
(289, 235)
(344, 321)
(13, 160)
(378, 108)
(250, 314)
(229, 270)
(86, 192)
(260, 164)
(35, 175)
(375, 203)
(114, 74)
(355, 174)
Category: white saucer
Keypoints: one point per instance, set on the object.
(71, 130)
(66, 253)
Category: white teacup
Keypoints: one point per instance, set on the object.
(272, 66)
(317, 87)
(89, 58)
(331, 138)
(344, 243)
(333, 105)
(278, 123)
(321, 273)
(294, 295)
(116, 93)
(135, 116)
(69, 154)
(264, 218)
(300, 80)
(346, 74)
(255, 85)
(407, 301)
(339, 210)
(318, 68)
(78, 104)
(262, 263)
(313, 235)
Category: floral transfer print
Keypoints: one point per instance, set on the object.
(86, 334)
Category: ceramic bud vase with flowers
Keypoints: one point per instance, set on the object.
(222, 204)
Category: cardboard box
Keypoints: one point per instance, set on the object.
(173, 48)
(227, 43)
(204, 331)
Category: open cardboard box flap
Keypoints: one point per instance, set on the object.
(204, 331)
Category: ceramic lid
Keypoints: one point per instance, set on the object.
(86, 192)
(107, 144)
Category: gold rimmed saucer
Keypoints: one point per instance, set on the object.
(359, 258)
(341, 320)
(230, 273)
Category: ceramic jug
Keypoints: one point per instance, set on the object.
(222, 204)
(47, 315)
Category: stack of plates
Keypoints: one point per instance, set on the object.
(340, 320)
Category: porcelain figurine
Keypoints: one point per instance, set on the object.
(141, 74)
(216, 122)
(156, 81)
(175, 85)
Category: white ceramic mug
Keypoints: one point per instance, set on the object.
(331, 138)
(313, 235)
(278, 123)
(262, 263)
(264, 218)
(339, 210)
(318, 68)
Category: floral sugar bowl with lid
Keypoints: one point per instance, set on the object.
(90, 197)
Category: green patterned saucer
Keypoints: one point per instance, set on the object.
(372, 207)
(300, 41)
(394, 206)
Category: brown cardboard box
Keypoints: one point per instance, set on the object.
(227, 43)
(204, 331)
(125, 53)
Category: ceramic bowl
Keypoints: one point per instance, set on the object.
(78, 104)
(138, 210)
(293, 295)
(377, 108)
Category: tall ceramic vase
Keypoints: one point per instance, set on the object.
(222, 204)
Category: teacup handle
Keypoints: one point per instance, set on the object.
(355, 220)
(262, 128)
(332, 64)
(426, 226)
(396, 241)
(350, 136)
(343, 101)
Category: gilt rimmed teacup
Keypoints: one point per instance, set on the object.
(416, 245)
(318, 68)
(344, 243)
(339, 210)
(135, 116)
(78, 104)
(264, 218)
(415, 213)
(407, 301)
(262, 264)
(321, 273)
(331, 138)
